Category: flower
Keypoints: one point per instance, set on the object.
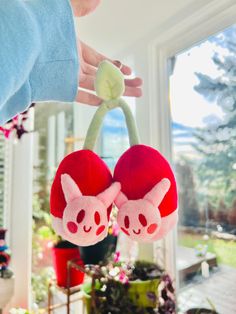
(114, 271)
(123, 278)
(19, 311)
(116, 257)
(115, 229)
(16, 125)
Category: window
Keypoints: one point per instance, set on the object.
(203, 108)
(114, 135)
(53, 139)
(4, 181)
(2, 162)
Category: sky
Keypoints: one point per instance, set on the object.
(187, 106)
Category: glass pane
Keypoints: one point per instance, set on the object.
(114, 135)
(53, 139)
(2, 174)
(203, 107)
(114, 142)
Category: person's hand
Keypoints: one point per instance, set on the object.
(89, 61)
(84, 7)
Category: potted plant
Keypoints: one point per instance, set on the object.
(139, 287)
(101, 252)
(63, 252)
(7, 281)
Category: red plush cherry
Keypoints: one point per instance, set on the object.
(88, 170)
(83, 176)
(148, 197)
(139, 169)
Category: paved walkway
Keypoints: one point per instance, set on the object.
(219, 288)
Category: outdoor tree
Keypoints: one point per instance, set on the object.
(217, 141)
(188, 205)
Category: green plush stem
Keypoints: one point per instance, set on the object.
(130, 122)
(98, 118)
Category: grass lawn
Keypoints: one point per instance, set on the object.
(224, 250)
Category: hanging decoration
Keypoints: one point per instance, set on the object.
(16, 126)
(4, 255)
(143, 186)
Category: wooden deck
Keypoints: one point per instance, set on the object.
(188, 263)
(219, 288)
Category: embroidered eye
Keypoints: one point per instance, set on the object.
(142, 220)
(126, 221)
(80, 216)
(97, 218)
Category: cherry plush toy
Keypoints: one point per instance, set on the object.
(143, 186)
(81, 197)
(82, 192)
(148, 200)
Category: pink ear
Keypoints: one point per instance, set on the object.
(108, 196)
(121, 199)
(158, 192)
(70, 188)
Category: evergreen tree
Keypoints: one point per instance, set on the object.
(217, 141)
(188, 205)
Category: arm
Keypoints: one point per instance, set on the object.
(38, 54)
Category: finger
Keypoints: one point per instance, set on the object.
(87, 98)
(88, 69)
(86, 81)
(93, 58)
(133, 91)
(135, 82)
(126, 70)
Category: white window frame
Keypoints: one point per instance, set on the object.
(187, 30)
(18, 211)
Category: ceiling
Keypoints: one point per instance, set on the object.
(118, 23)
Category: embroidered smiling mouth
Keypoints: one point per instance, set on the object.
(137, 232)
(87, 230)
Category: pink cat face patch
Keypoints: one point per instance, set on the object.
(85, 218)
(141, 219)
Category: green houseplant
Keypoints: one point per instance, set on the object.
(139, 287)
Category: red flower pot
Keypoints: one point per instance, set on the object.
(61, 256)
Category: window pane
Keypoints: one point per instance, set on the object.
(2, 175)
(53, 139)
(203, 106)
(114, 135)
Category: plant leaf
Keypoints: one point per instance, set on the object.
(109, 82)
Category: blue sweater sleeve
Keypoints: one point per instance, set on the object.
(38, 54)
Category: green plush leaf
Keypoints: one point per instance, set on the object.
(109, 82)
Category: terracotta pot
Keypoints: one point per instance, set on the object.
(62, 254)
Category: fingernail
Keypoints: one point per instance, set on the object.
(118, 63)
